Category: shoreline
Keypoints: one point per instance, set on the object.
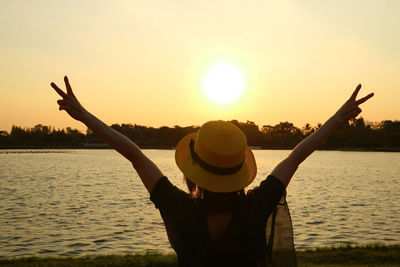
(53, 149)
(341, 255)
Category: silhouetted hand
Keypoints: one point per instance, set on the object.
(69, 102)
(350, 109)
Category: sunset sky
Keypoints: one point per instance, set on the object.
(145, 62)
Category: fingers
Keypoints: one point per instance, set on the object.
(350, 108)
(351, 114)
(357, 111)
(62, 104)
(68, 109)
(58, 90)
(65, 105)
(365, 98)
(61, 92)
(68, 86)
(354, 95)
(362, 100)
(67, 102)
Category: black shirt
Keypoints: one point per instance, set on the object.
(243, 242)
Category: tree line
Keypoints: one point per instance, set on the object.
(356, 134)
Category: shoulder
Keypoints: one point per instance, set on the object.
(268, 193)
(270, 184)
(164, 194)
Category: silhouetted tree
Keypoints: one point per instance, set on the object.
(356, 134)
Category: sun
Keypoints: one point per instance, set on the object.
(223, 83)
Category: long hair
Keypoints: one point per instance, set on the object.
(214, 202)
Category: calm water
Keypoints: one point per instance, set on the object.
(83, 202)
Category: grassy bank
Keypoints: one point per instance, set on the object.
(369, 255)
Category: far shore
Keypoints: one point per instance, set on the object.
(343, 255)
(49, 149)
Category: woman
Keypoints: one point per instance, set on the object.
(218, 223)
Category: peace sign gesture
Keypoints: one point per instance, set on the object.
(69, 102)
(350, 109)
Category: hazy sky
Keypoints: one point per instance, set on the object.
(144, 62)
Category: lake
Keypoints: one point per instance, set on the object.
(85, 202)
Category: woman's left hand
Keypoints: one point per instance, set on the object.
(350, 108)
(69, 102)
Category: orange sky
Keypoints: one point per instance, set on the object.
(144, 62)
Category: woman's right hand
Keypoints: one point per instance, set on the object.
(350, 109)
(69, 102)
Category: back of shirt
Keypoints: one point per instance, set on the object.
(243, 243)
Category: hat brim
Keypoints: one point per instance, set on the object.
(211, 181)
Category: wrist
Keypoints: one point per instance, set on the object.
(336, 121)
(84, 118)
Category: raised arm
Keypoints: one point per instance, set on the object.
(147, 170)
(285, 170)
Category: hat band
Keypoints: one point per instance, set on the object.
(212, 168)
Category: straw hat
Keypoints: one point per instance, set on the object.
(217, 158)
